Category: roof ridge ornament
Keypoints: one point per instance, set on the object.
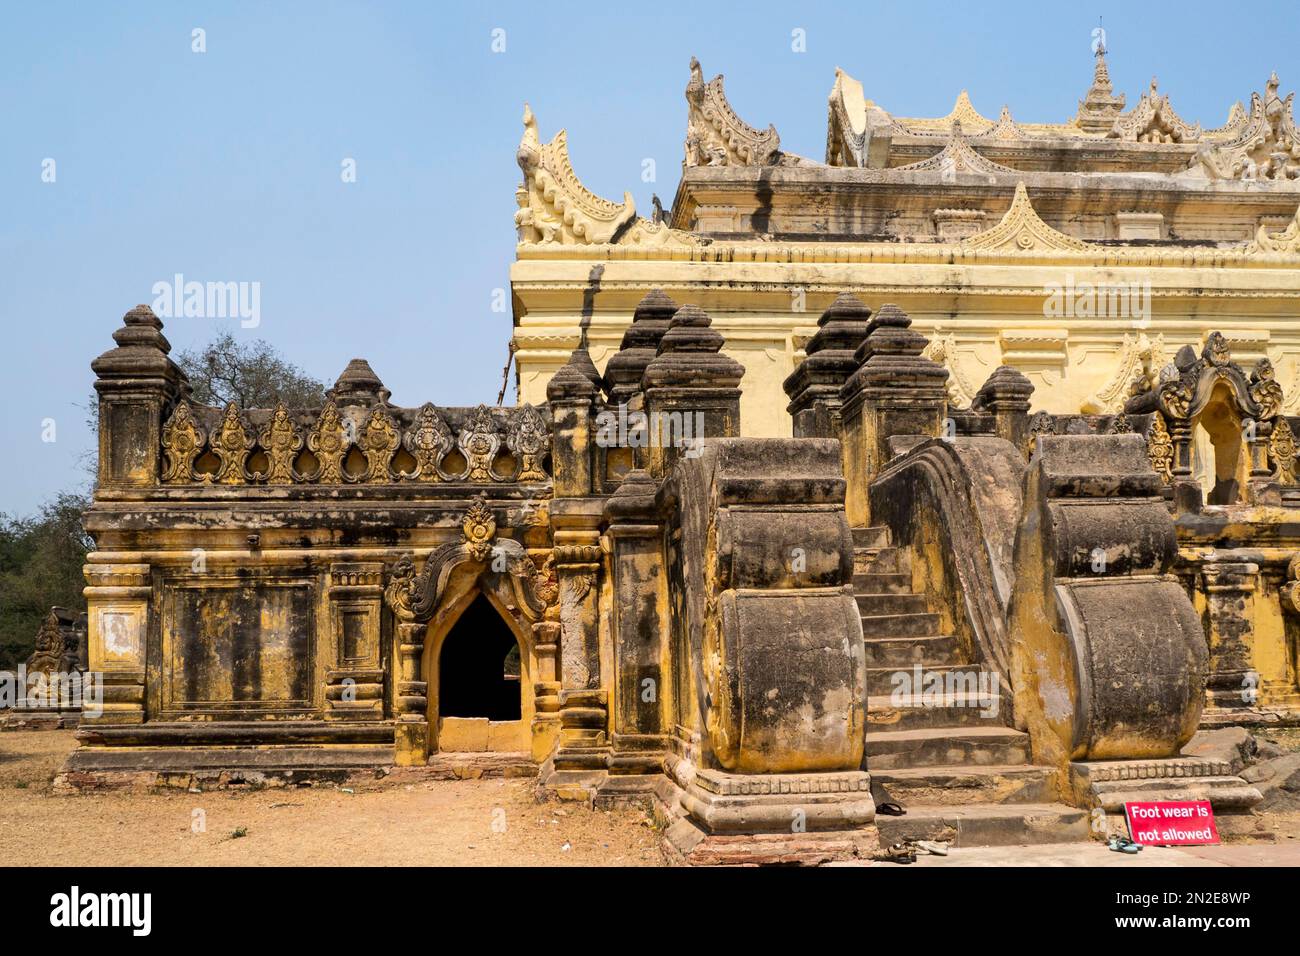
(1021, 229)
(957, 156)
(1154, 120)
(715, 135)
(1265, 147)
(554, 205)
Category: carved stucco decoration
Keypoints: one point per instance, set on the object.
(328, 440)
(528, 440)
(943, 351)
(1265, 390)
(378, 441)
(427, 441)
(50, 650)
(1186, 389)
(1040, 424)
(182, 443)
(1005, 130)
(1282, 450)
(715, 135)
(1022, 230)
(1267, 147)
(1140, 360)
(281, 439)
(554, 206)
(231, 443)
(500, 565)
(1154, 120)
(957, 156)
(479, 442)
(1160, 448)
(1286, 242)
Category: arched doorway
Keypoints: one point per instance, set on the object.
(480, 688)
(478, 669)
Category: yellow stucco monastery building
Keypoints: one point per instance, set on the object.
(1083, 253)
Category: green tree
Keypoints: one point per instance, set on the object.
(253, 375)
(40, 567)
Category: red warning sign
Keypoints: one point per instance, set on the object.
(1172, 823)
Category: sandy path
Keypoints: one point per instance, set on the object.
(472, 822)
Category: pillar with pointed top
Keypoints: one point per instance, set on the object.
(692, 390)
(136, 383)
(894, 395)
(814, 386)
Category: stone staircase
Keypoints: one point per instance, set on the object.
(962, 776)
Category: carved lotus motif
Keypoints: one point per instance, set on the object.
(231, 444)
(479, 527)
(328, 441)
(479, 443)
(281, 439)
(428, 440)
(182, 442)
(528, 440)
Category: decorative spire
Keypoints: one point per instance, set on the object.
(829, 363)
(358, 385)
(690, 355)
(1099, 108)
(576, 379)
(650, 320)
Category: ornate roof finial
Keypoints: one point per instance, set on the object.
(1099, 108)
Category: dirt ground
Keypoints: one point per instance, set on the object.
(492, 822)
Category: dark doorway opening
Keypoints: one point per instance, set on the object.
(478, 669)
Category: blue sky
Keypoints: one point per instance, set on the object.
(225, 165)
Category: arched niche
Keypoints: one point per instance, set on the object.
(1220, 459)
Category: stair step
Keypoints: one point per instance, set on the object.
(1007, 824)
(872, 605)
(907, 651)
(879, 561)
(937, 746)
(964, 785)
(900, 625)
(913, 714)
(881, 680)
(875, 582)
(877, 536)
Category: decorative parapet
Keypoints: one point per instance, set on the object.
(1265, 147)
(716, 136)
(1021, 229)
(348, 443)
(1153, 120)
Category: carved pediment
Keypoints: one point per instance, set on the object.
(958, 156)
(480, 558)
(1022, 230)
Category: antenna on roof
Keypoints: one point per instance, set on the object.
(1099, 39)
